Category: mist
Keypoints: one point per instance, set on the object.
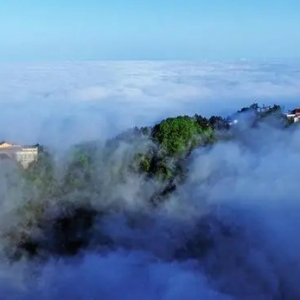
(229, 231)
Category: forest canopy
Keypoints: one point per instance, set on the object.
(157, 157)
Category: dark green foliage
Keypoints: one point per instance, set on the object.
(142, 162)
(174, 139)
(272, 115)
(154, 165)
(178, 135)
(262, 111)
(41, 173)
(71, 232)
(159, 153)
(253, 107)
(218, 123)
(274, 110)
(80, 169)
(202, 121)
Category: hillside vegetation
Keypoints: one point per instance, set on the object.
(88, 184)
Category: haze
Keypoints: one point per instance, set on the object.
(75, 72)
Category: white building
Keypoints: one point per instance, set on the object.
(294, 115)
(23, 154)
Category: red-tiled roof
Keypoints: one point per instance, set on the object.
(296, 111)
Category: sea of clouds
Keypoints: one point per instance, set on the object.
(249, 186)
(39, 100)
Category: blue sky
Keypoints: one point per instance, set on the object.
(40, 30)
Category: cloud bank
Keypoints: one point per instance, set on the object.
(41, 99)
(229, 232)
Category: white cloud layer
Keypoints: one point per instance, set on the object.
(41, 99)
(251, 185)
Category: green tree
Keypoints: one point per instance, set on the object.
(178, 135)
(41, 173)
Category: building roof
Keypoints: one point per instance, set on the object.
(7, 145)
(4, 144)
(296, 111)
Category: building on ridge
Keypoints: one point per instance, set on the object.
(21, 153)
(294, 115)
